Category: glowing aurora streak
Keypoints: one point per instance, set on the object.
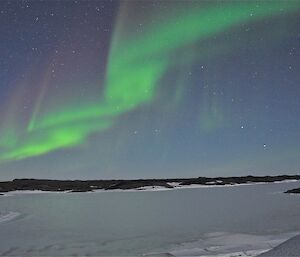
(135, 68)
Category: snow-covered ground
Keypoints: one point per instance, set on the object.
(223, 244)
(8, 216)
(227, 221)
(287, 249)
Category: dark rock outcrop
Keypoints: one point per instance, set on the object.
(293, 191)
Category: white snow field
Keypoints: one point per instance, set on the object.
(287, 249)
(206, 221)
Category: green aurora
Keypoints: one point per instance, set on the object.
(135, 67)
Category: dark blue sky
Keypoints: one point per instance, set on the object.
(224, 103)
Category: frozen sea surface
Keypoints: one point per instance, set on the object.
(231, 221)
(287, 249)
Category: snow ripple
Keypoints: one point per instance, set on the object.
(8, 216)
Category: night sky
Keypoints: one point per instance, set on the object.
(146, 89)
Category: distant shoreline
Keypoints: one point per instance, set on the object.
(135, 184)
